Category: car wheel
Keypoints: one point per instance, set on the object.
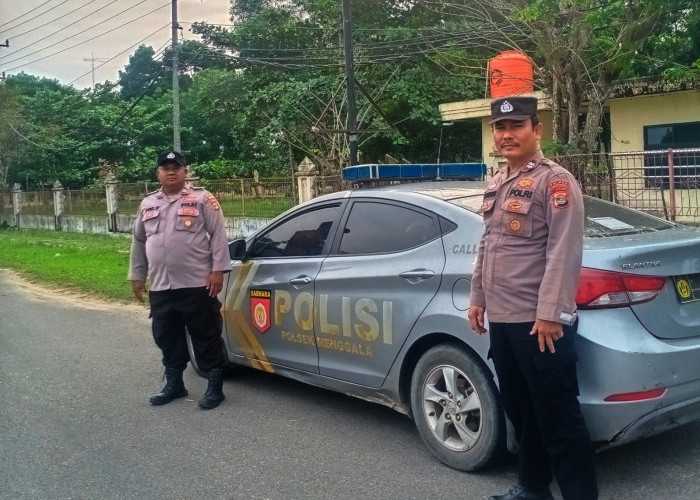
(457, 408)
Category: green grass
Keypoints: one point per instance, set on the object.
(87, 263)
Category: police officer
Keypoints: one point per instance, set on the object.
(180, 244)
(526, 275)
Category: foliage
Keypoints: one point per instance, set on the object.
(269, 91)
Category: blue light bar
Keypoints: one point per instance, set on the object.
(415, 171)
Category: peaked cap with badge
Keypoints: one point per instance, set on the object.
(173, 156)
(513, 108)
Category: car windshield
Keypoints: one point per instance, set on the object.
(603, 218)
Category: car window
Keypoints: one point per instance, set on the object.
(608, 219)
(382, 227)
(302, 235)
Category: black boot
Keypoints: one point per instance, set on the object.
(214, 395)
(519, 492)
(174, 387)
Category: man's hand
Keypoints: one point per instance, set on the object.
(476, 319)
(547, 332)
(215, 283)
(139, 289)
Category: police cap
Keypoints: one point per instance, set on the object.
(513, 108)
(173, 156)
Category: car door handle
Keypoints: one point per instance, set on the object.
(300, 281)
(416, 275)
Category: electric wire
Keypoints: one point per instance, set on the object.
(38, 15)
(22, 15)
(88, 40)
(78, 33)
(57, 31)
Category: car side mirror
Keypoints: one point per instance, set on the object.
(236, 249)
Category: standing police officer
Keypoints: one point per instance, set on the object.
(526, 275)
(180, 244)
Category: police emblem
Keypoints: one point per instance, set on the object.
(525, 183)
(188, 222)
(506, 107)
(515, 225)
(260, 309)
(170, 156)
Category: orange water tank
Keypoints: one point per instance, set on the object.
(510, 73)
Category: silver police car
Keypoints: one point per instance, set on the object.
(366, 292)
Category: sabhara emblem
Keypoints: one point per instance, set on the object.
(506, 107)
(515, 225)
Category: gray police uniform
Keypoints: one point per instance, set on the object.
(527, 268)
(178, 241)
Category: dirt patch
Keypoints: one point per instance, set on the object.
(47, 293)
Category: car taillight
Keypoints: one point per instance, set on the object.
(603, 289)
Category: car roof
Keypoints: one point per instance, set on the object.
(441, 190)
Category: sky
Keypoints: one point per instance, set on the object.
(58, 38)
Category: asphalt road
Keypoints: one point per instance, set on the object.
(75, 423)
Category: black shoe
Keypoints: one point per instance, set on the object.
(214, 394)
(519, 492)
(174, 388)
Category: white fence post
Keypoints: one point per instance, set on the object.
(17, 203)
(58, 205)
(112, 192)
(306, 173)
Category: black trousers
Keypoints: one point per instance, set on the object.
(172, 311)
(539, 392)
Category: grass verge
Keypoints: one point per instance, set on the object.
(95, 264)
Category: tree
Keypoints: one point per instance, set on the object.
(143, 74)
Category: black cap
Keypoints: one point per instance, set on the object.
(513, 108)
(167, 156)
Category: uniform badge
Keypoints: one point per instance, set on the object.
(492, 186)
(188, 223)
(525, 183)
(260, 309)
(506, 107)
(530, 165)
(170, 156)
(515, 206)
(214, 203)
(515, 225)
(560, 193)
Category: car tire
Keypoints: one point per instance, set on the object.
(457, 408)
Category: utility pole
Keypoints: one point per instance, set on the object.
(92, 59)
(351, 125)
(176, 83)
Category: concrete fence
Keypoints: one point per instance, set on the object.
(247, 204)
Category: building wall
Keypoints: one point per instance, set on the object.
(628, 116)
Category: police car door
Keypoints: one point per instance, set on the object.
(270, 306)
(384, 268)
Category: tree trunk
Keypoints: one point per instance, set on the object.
(598, 96)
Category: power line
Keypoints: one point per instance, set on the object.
(57, 31)
(74, 35)
(38, 15)
(22, 15)
(85, 41)
(125, 50)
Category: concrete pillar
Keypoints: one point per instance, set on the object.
(58, 205)
(17, 202)
(112, 192)
(306, 180)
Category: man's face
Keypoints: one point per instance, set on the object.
(171, 175)
(516, 140)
